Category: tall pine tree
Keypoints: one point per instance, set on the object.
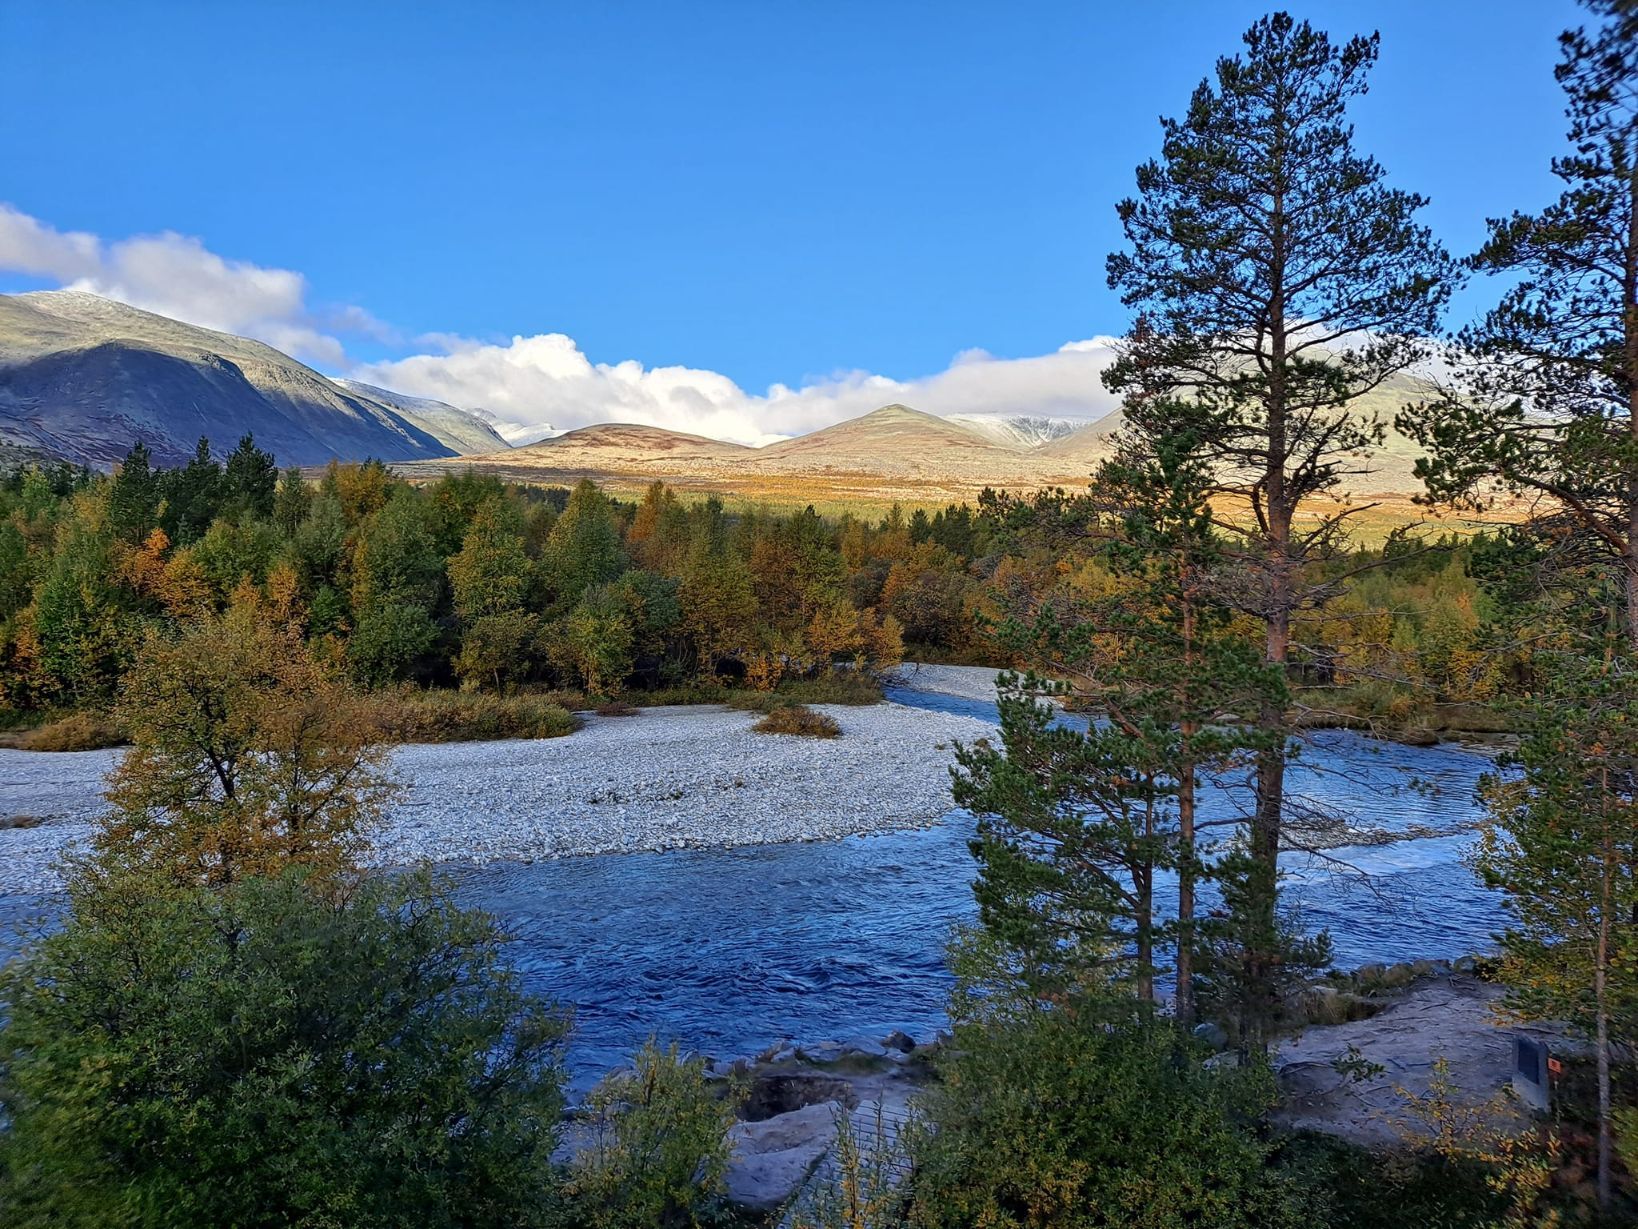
(1546, 399)
(1562, 845)
(1077, 823)
(1276, 278)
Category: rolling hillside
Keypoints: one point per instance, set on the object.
(83, 378)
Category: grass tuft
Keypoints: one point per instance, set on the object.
(795, 719)
(409, 715)
(86, 731)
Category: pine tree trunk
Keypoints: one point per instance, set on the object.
(1145, 884)
(1270, 801)
(1629, 322)
(1185, 819)
(1601, 1007)
(1185, 887)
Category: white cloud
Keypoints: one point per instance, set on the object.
(176, 275)
(29, 246)
(531, 384)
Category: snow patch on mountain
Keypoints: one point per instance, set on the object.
(1019, 430)
(466, 431)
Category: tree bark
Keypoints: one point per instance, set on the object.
(1601, 1005)
(1144, 882)
(1270, 794)
(1185, 825)
(1629, 323)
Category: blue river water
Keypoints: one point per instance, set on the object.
(727, 951)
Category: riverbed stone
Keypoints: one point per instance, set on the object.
(683, 776)
(820, 1052)
(898, 1040)
(865, 1047)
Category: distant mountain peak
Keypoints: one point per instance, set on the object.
(83, 378)
(1019, 430)
(465, 431)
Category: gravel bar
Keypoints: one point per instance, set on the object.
(670, 778)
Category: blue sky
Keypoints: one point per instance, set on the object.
(768, 192)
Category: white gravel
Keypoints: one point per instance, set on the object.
(669, 778)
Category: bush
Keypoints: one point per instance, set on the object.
(616, 708)
(265, 1055)
(758, 701)
(410, 715)
(656, 1148)
(795, 719)
(248, 755)
(1080, 1118)
(87, 731)
(853, 687)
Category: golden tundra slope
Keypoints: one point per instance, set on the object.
(891, 454)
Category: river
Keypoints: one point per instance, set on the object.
(726, 951)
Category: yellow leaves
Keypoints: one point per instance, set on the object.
(247, 757)
(176, 583)
(284, 604)
(763, 670)
(839, 632)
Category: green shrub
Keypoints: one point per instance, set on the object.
(1076, 1119)
(85, 731)
(656, 1147)
(1361, 1189)
(409, 715)
(795, 719)
(264, 1055)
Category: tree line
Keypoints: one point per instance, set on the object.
(465, 582)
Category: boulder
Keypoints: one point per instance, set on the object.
(820, 1052)
(1212, 1034)
(901, 1041)
(1449, 1021)
(770, 1160)
(864, 1047)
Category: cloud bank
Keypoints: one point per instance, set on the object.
(177, 276)
(537, 384)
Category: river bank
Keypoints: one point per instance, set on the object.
(683, 777)
(1366, 1081)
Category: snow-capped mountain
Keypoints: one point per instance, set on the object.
(1018, 430)
(466, 431)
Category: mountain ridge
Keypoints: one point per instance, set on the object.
(83, 378)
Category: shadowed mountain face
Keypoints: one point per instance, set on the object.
(84, 378)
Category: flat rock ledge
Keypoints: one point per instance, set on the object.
(1327, 1077)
